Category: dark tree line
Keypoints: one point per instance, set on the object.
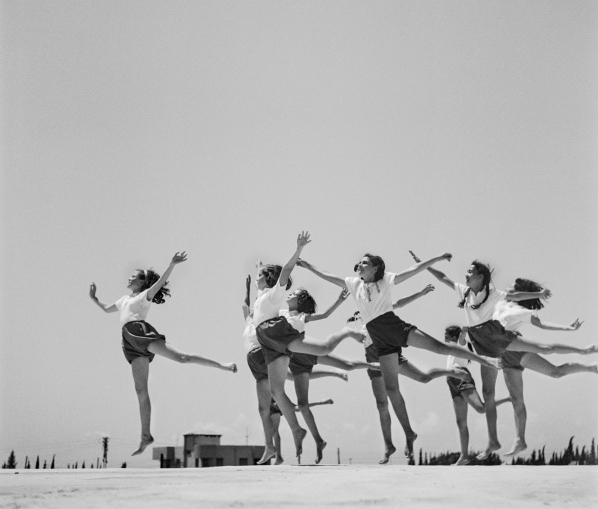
(569, 456)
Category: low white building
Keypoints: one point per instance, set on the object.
(202, 450)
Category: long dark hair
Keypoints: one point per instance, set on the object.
(305, 302)
(272, 273)
(484, 270)
(527, 285)
(148, 278)
(376, 262)
(453, 331)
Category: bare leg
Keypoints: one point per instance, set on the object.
(338, 362)
(320, 372)
(411, 371)
(520, 344)
(302, 390)
(140, 369)
(389, 365)
(539, 364)
(168, 351)
(277, 444)
(420, 339)
(263, 397)
(320, 348)
(488, 387)
(277, 372)
(514, 381)
(460, 406)
(385, 420)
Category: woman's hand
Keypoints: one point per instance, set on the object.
(576, 324)
(179, 258)
(344, 294)
(446, 256)
(301, 263)
(546, 294)
(428, 289)
(248, 282)
(92, 291)
(303, 240)
(417, 260)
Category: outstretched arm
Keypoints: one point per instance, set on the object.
(545, 294)
(418, 267)
(302, 241)
(108, 308)
(247, 303)
(327, 276)
(408, 300)
(441, 276)
(155, 288)
(341, 298)
(549, 326)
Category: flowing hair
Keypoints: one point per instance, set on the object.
(149, 278)
(527, 285)
(305, 302)
(272, 273)
(378, 263)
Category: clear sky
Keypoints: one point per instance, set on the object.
(131, 130)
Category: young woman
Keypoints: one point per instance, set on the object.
(485, 308)
(371, 291)
(141, 342)
(301, 310)
(463, 393)
(278, 338)
(259, 370)
(406, 368)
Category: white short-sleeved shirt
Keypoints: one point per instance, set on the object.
(372, 299)
(297, 321)
(267, 304)
(485, 311)
(250, 341)
(511, 315)
(133, 308)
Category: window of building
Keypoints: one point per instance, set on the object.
(242, 461)
(219, 462)
(205, 462)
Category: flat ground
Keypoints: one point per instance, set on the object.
(345, 486)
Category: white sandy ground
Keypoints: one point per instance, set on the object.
(344, 486)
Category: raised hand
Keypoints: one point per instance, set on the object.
(300, 263)
(179, 257)
(576, 324)
(303, 239)
(428, 289)
(545, 293)
(248, 282)
(92, 291)
(447, 256)
(417, 260)
(344, 294)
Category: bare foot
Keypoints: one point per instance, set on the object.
(595, 367)
(591, 349)
(279, 460)
(409, 446)
(463, 460)
(358, 336)
(298, 439)
(231, 366)
(320, 449)
(460, 374)
(495, 446)
(344, 376)
(145, 441)
(375, 366)
(328, 402)
(518, 446)
(267, 456)
(390, 450)
(491, 362)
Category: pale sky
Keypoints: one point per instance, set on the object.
(132, 130)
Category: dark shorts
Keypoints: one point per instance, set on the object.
(456, 385)
(275, 335)
(257, 364)
(512, 360)
(274, 408)
(491, 338)
(136, 337)
(302, 363)
(389, 333)
(371, 355)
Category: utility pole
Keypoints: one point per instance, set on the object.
(338, 455)
(105, 446)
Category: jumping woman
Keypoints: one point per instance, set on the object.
(492, 316)
(371, 291)
(141, 342)
(268, 410)
(279, 338)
